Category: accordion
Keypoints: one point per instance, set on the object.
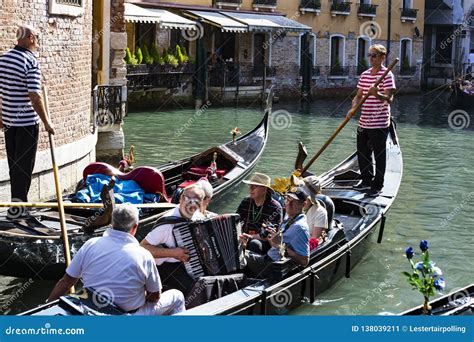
(213, 245)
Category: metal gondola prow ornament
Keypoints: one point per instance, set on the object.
(268, 95)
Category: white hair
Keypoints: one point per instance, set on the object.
(207, 187)
(124, 217)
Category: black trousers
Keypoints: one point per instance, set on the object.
(372, 141)
(21, 144)
(174, 276)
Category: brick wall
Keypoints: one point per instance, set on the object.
(65, 61)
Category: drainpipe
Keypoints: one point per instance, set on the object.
(389, 29)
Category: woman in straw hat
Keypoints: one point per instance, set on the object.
(259, 209)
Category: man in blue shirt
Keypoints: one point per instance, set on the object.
(295, 233)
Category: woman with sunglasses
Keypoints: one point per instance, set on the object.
(374, 121)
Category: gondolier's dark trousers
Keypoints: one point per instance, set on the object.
(174, 276)
(372, 141)
(21, 144)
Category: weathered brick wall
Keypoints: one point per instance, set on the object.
(65, 61)
(117, 21)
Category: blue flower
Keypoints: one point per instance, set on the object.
(424, 245)
(409, 252)
(439, 284)
(436, 272)
(419, 266)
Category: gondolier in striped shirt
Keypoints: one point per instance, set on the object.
(374, 121)
(21, 109)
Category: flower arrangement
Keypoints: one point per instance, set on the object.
(235, 132)
(283, 184)
(426, 277)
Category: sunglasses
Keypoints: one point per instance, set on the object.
(373, 55)
(190, 200)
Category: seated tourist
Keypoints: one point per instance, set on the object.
(295, 233)
(161, 243)
(259, 210)
(208, 193)
(316, 214)
(116, 266)
(313, 185)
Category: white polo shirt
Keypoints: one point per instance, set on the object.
(317, 216)
(116, 266)
(163, 235)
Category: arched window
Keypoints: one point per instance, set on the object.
(311, 49)
(405, 55)
(363, 44)
(337, 55)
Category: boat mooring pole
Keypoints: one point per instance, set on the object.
(348, 263)
(382, 226)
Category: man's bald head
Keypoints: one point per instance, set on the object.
(27, 36)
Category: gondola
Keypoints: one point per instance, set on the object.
(459, 97)
(32, 247)
(456, 303)
(355, 220)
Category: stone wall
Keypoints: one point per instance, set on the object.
(64, 56)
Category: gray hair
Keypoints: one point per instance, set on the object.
(24, 31)
(124, 217)
(207, 187)
(199, 190)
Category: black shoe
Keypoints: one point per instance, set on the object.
(361, 187)
(374, 192)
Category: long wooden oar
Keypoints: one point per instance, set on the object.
(83, 205)
(62, 217)
(347, 118)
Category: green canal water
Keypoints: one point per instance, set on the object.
(435, 201)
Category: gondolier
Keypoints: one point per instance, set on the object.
(374, 121)
(21, 109)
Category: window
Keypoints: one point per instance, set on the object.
(73, 8)
(311, 49)
(443, 45)
(407, 4)
(336, 55)
(145, 35)
(363, 44)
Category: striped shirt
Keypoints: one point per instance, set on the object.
(375, 113)
(19, 75)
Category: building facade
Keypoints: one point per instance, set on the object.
(64, 56)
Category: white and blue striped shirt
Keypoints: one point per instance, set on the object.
(19, 75)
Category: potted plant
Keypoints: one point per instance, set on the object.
(425, 277)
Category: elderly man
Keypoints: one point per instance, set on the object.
(374, 121)
(319, 216)
(208, 193)
(259, 210)
(116, 266)
(295, 232)
(21, 108)
(161, 243)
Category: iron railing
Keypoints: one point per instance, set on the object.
(409, 12)
(223, 2)
(158, 76)
(310, 4)
(336, 70)
(315, 71)
(367, 9)
(108, 106)
(258, 71)
(225, 75)
(407, 71)
(265, 2)
(344, 7)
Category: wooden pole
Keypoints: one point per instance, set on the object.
(62, 218)
(346, 119)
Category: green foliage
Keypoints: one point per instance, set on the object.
(139, 55)
(129, 58)
(171, 60)
(180, 56)
(155, 54)
(147, 58)
(183, 51)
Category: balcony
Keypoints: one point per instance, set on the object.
(264, 4)
(143, 77)
(315, 71)
(407, 70)
(340, 8)
(310, 6)
(336, 70)
(227, 3)
(108, 106)
(367, 11)
(408, 14)
(258, 71)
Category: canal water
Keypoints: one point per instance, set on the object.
(435, 201)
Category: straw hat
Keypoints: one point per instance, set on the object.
(313, 186)
(259, 179)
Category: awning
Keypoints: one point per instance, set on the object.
(164, 18)
(267, 22)
(225, 23)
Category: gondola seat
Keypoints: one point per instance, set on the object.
(150, 179)
(201, 171)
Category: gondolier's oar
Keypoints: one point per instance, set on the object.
(83, 205)
(347, 118)
(62, 218)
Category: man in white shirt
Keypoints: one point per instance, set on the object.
(316, 214)
(117, 267)
(161, 243)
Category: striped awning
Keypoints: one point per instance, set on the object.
(217, 19)
(267, 22)
(164, 18)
